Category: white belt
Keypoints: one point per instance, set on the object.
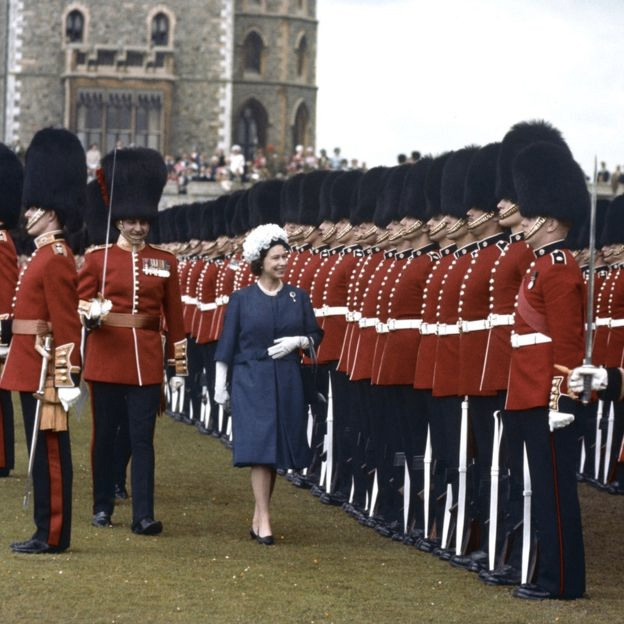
(470, 326)
(368, 322)
(186, 299)
(222, 300)
(603, 322)
(382, 328)
(447, 329)
(616, 322)
(496, 320)
(353, 317)
(331, 311)
(190, 300)
(204, 307)
(428, 329)
(394, 324)
(526, 340)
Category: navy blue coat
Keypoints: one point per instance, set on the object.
(269, 414)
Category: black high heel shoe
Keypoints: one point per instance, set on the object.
(253, 534)
(267, 540)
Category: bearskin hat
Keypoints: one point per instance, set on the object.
(454, 182)
(310, 196)
(480, 189)
(343, 196)
(612, 232)
(413, 202)
(55, 175)
(96, 217)
(11, 182)
(550, 183)
(290, 199)
(433, 184)
(136, 184)
(390, 198)
(264, 202)
(369, 187)
(519, 136)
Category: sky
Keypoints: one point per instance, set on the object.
(433, 75)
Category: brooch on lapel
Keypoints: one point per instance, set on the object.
(293, 296)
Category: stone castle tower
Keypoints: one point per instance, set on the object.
(172, 75)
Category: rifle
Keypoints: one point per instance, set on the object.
(45, 350)
(494, 478)
(462, 485)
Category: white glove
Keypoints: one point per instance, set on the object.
(576, 379)
(283, 346)
(68, 396)
(99, 308)
(176, 382)
(221, 395)
(4, 351)
(558, 420)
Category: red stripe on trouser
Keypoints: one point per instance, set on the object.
(56, 488)
(558, 506)
(3, 459)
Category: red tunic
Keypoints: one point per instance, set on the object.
(8, 273)
(333, 291)
(397, 364)
(206, 295)
(425, 361)
(473, 311)
(550, 302)
(445, 381)
(505, 279)
(141, 282)
(602, 289)
(224, 288)
(615, 342)
(46, 290)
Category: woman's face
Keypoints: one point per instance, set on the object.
(274, 263)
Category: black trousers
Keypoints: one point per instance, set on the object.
(139, 404)
(555, 511)
(7, 434)
(52, 479)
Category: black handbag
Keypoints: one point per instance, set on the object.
(309, 373)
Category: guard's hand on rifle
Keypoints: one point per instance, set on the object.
(287, 344)
(576, 379)
(176, 382)
(4, 351)
(68, 396)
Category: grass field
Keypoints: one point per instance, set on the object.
(205, 568)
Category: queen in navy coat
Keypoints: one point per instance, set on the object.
(266, 326)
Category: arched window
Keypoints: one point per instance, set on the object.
(251, 127)
(302, 57)
(301, 127)
(252, 56)
(160, 30)
(74, 27)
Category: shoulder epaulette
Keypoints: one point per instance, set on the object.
(558, 257)
(97, 248)
(161, 248)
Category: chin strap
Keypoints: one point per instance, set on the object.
(539, 222)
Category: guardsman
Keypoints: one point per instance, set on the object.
(359, 406)
(612, 474)
(505, 278)
(11, 179)
(127, 290)
(547, 338)
(45, 308)
(328, 294)
(473, 310)
(445, 389)
(400, 304)
(425, 361)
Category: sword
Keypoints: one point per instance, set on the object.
(589, 323)
(45, 350)
(608, 445)
(598, 442)
(108, 223)
(329, 439)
